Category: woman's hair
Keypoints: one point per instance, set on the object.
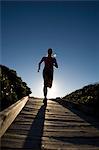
(50, 51)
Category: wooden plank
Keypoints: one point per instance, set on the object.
(48, 128)
(8, 115)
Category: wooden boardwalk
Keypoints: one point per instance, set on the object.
(55, 127)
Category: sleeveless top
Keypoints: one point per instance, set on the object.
(49, 63)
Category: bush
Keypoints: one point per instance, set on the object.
(88, 95)
(11, 86)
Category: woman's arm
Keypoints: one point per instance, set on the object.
(39, 65)
(55, 63)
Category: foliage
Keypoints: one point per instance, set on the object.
(11, 86)
(88, 95)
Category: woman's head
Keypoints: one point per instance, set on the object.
(49, 51)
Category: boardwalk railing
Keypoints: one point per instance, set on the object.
(8, 115)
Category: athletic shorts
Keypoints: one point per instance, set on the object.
(48, 77)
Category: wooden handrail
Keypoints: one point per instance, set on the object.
(8, 115)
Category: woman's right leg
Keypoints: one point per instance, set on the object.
(45, 91)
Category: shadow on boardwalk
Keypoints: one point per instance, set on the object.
(94, 121)
(34, 137)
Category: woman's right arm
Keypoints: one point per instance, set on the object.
(39, 65)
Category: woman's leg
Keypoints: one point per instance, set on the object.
(45, 91)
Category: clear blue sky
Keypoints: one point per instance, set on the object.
(71, 29)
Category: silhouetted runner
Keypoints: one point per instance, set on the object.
(49, 62)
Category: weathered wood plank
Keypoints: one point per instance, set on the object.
(8, 115)
(50, 128)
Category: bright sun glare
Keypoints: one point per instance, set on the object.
(52, 93)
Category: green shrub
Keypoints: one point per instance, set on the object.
(11, 86)
(88, 95)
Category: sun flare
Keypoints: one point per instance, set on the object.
(52, 93)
